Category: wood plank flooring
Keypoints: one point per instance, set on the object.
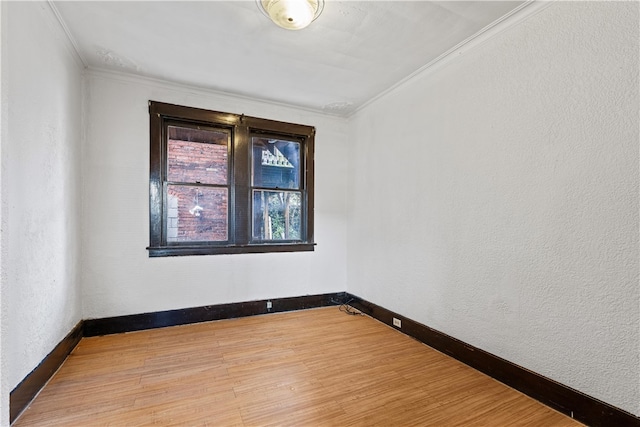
(316, 367)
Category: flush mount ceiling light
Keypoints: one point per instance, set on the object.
(291, 14)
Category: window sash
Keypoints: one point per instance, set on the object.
(276, 225)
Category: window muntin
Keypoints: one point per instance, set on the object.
(222, 183)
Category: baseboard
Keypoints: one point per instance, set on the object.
(160, 319)
(23, 393)
(566, 400)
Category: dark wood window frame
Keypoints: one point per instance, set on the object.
(241, 128)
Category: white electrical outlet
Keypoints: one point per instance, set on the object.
(397, 323)
(269, 305)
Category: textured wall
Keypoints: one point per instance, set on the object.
(4, 383)
(496, 198)
(119, 277)
(41, 109)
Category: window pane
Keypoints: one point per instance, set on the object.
(195, 155)
(276, 163)
(276, 215)
(196, 213)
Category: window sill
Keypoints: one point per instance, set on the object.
(165, 251)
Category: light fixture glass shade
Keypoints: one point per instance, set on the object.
(292, 14)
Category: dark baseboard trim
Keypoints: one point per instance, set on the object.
(31, 385)
(23, 393)
(160, 319)
(566, 400)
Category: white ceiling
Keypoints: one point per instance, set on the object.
(353, 52)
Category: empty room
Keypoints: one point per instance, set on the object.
(318, 212)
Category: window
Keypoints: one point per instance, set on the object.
(223, 183)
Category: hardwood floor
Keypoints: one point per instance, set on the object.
(305, 368)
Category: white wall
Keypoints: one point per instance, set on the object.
(118, 276)
(496, 198)
(510, 175)
(4, 385)
(40, 164)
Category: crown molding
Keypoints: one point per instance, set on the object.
(517, 15)
(140, 79)
(73, 45)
